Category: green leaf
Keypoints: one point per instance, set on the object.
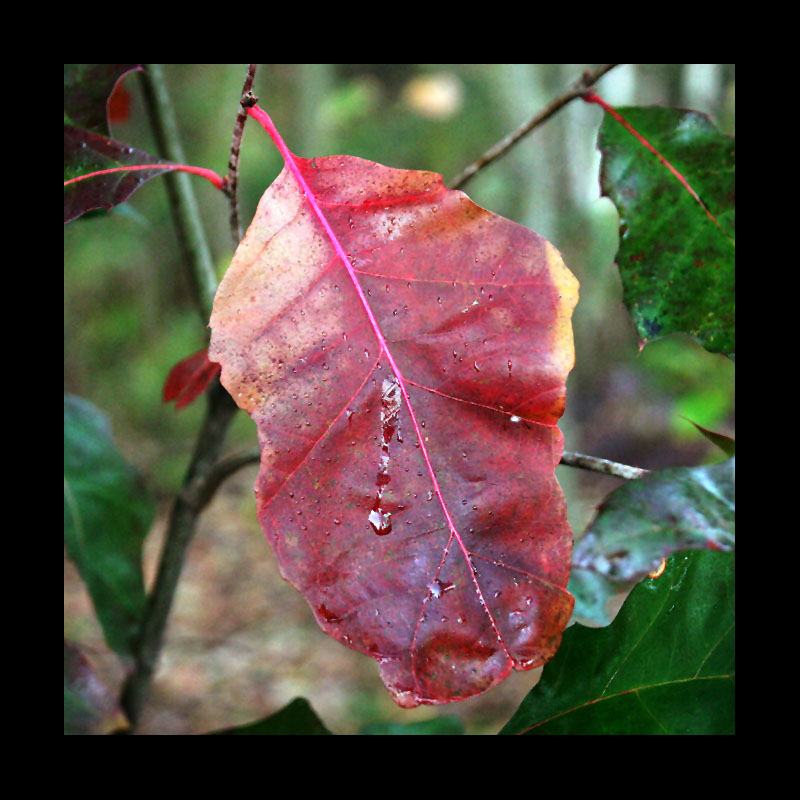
(296, 719)
(677, 265)
(649, 518)
(439, 726)
(107, 515)
(664, 666)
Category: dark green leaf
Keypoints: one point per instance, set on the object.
(107, 515)
(296, 719)
(664, 666)
(677, 265)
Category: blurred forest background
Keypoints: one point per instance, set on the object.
(242, 643)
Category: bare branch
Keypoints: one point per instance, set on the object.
(231, 180)
(603, 465)
(578, 88)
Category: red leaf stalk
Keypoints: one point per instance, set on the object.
(208, 174)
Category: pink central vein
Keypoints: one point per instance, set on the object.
(264, 119)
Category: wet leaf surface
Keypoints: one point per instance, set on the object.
(404, 353)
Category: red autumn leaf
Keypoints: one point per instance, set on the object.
(189, 378)
(404, 353)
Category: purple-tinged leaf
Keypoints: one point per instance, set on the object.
(87, 152)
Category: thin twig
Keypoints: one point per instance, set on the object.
(201, 491)
(603, 465)
(578, 88)
(204, 488)
(231, 180)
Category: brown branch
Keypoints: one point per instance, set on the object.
(180, 531)
(578, 88)
(230, 182)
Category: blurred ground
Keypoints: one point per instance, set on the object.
(242, 643)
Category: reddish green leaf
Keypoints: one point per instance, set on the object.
(119, 104)
(668, 510)
(86, 152)
(189, 378)
(676, 262)
(403, 353)
(644, 521)
(88, 92)
(666, 665)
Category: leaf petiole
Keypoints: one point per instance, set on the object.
(208, 174)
